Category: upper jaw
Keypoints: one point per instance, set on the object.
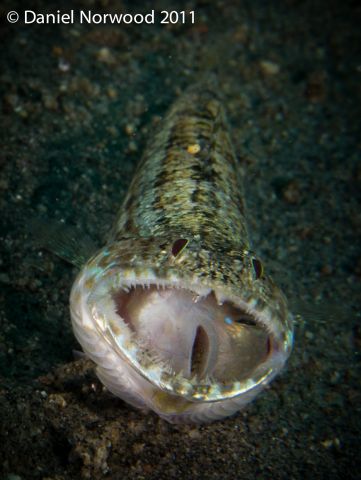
(105, 320)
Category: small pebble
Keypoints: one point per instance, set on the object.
(112, 93)
(332, 442)
(58, 400)
(269, 68)
(63, 65)
(132, 147)
(194, 433)
(104, 55)
(129, 129)
(291, 192)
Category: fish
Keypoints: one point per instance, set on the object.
(176, 310)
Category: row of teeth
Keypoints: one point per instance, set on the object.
(262, 317)
(126, 284)
(157, 370)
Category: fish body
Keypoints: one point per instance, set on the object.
(176, 310)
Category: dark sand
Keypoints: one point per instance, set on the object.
(77, 104)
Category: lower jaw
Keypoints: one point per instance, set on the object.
(173, 408)
(168, 402)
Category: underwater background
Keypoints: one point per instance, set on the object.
(78, 103)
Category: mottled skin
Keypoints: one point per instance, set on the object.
(182, 225)
(189, 194)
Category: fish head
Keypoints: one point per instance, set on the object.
(192, 331)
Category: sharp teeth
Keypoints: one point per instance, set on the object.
(195, 380)
(207, 380)
(219, 297)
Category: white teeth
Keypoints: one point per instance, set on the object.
(252, 304)
(219, 297)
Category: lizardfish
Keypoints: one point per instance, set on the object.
(177, 311)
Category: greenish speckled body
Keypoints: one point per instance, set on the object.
(188, 181)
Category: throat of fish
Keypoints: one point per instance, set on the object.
(188, 334)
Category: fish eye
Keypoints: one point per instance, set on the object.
(257, 267)
(178, 246)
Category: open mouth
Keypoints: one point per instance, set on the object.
(176, 345)
(186, 335)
